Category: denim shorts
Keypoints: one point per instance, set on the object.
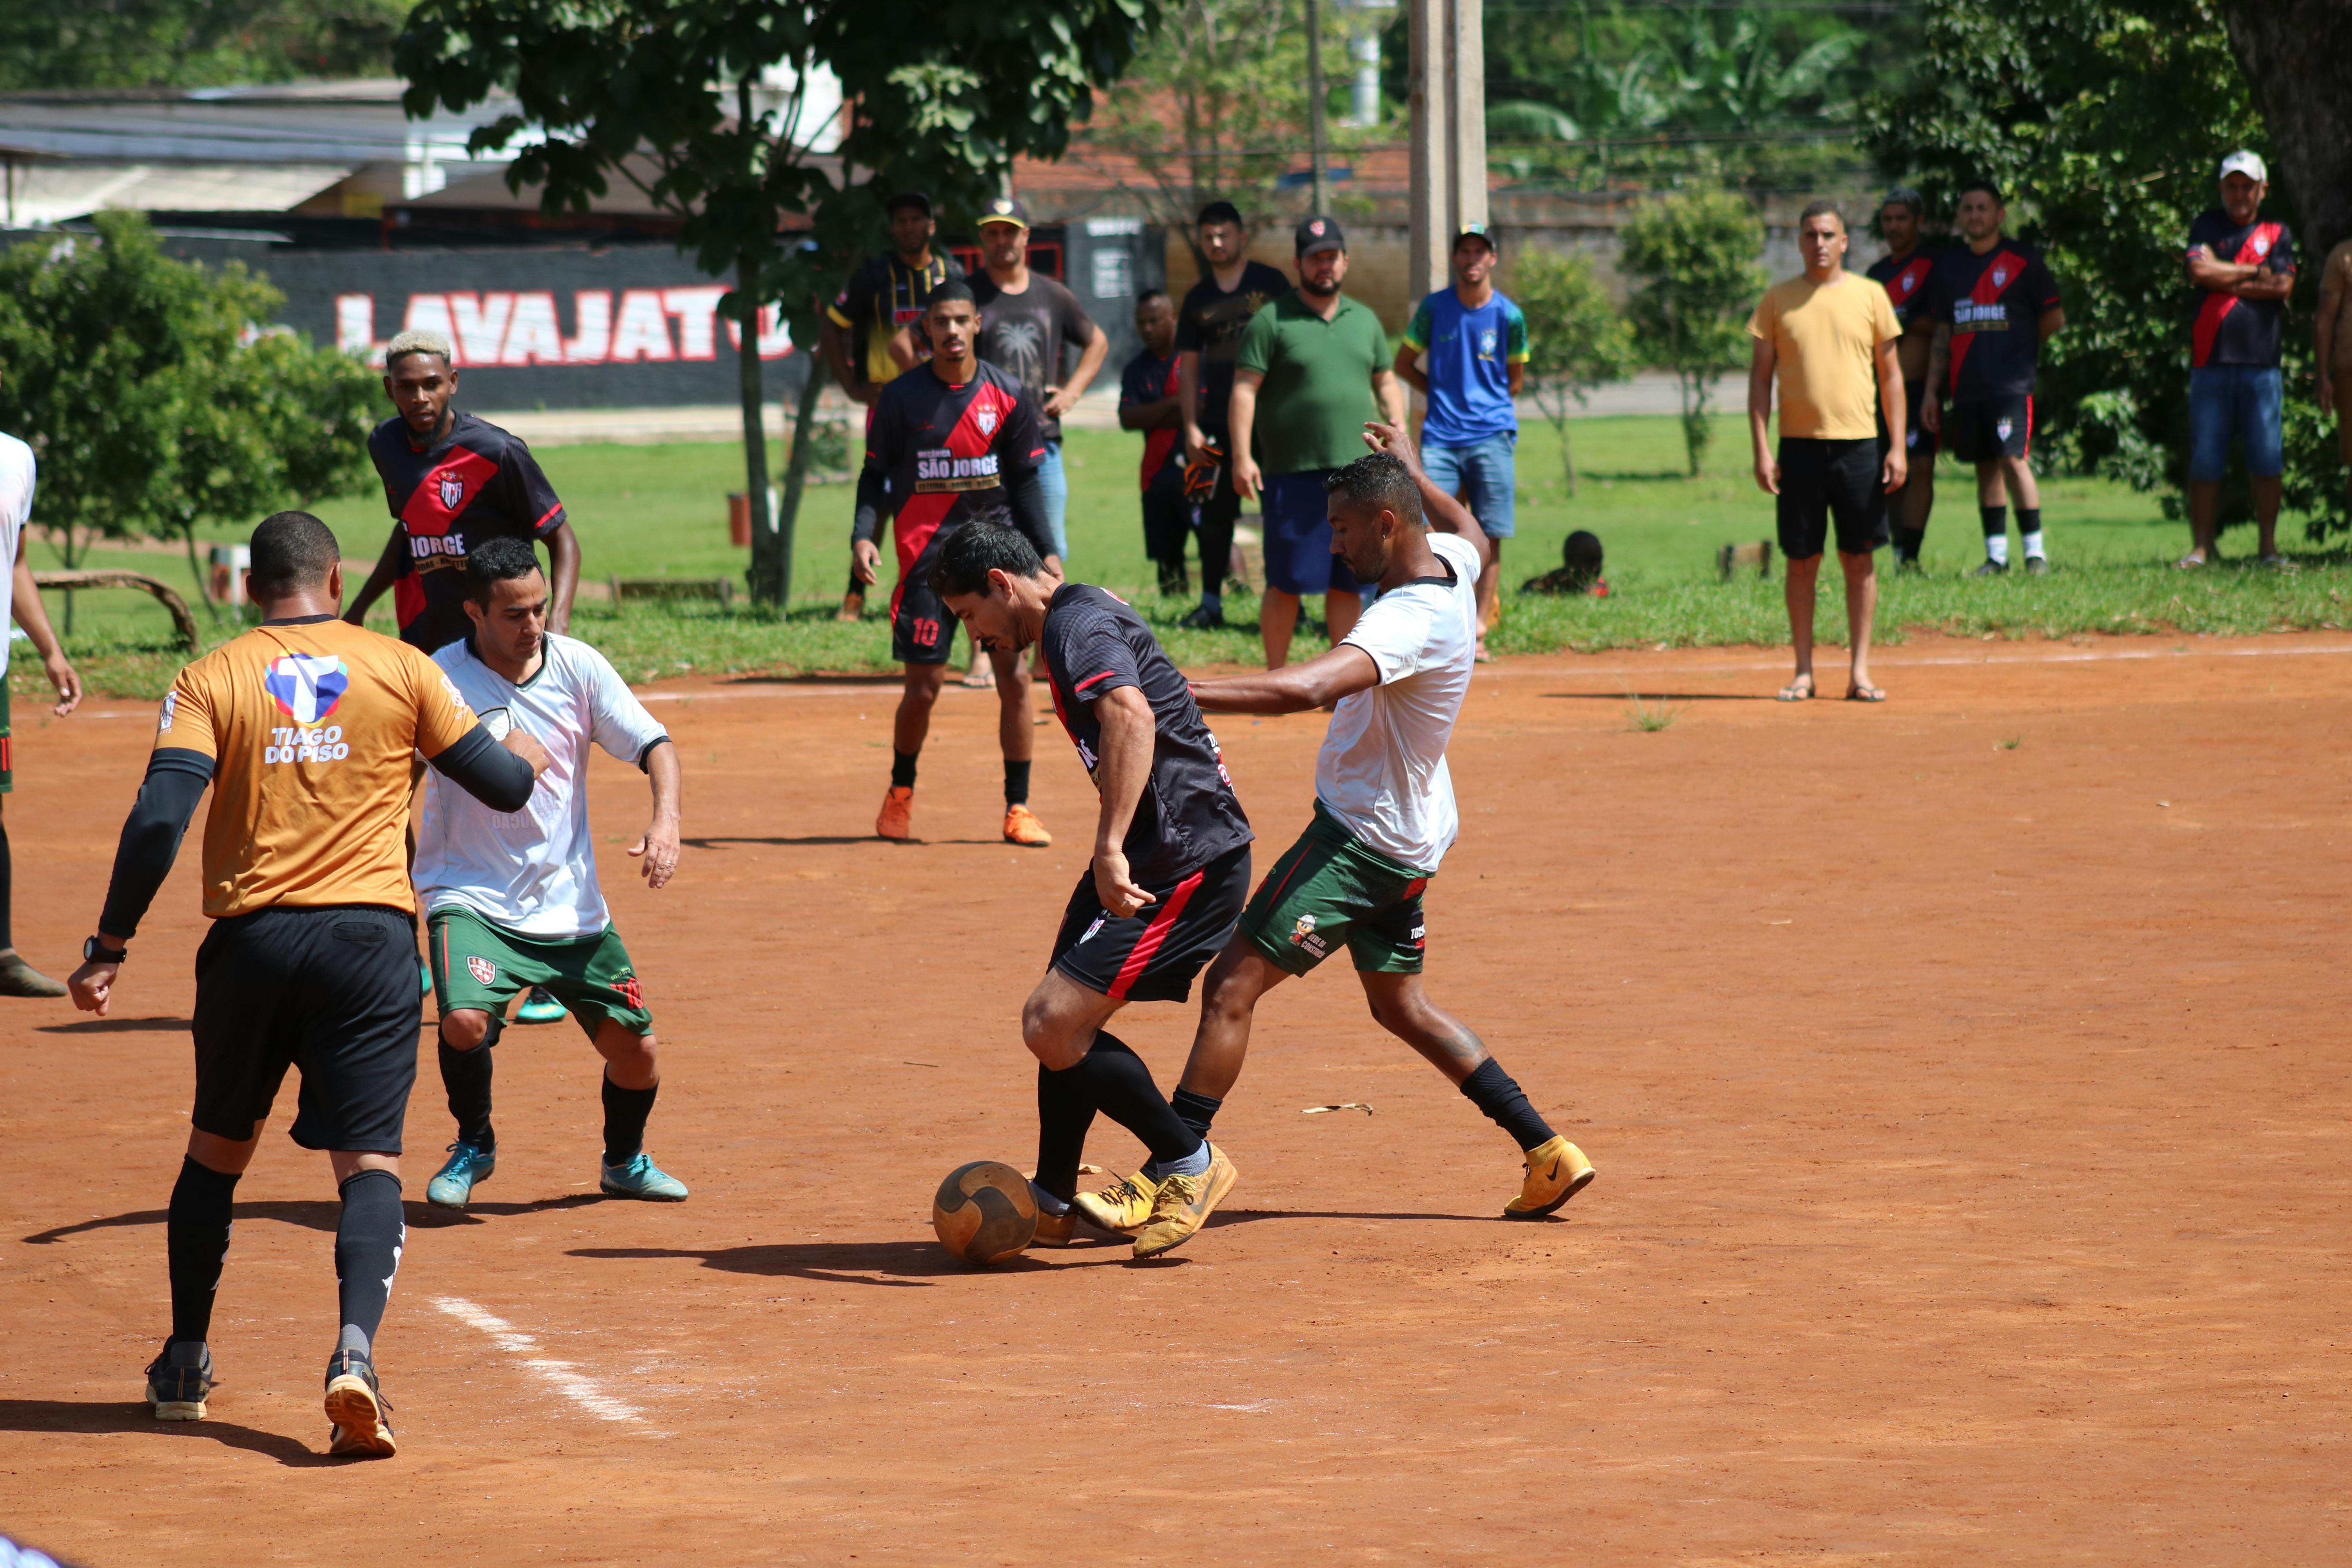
(1054, 481)
(1298, 557)
(2239, 400)
(1481, 474)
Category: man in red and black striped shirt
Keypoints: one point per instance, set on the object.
(2246, 269)
(1904, 270)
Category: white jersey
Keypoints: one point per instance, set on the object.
(532, 871)
(16, 480)
(1382, 769)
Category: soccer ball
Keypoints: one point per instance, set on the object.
(983, 1213)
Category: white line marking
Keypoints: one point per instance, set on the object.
(562, 1375)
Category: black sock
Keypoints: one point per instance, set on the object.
(367, 1254)
(465, 1077)
(1907, 541)
(1194, 1110)
(1995, 520)
(1016, 781)
(902, 768)
(7, 892)
(1064, 1113)
(1492, 1090)
(195, 1238)
(1116, 1079)
(625, 1111)
(2029, 523)
(855, 588)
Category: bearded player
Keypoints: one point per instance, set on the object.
(1170, 869)
(953, 440)
(1384, 812)
(511, 899)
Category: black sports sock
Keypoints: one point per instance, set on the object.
(1215, 532)
(7, 892)
(1492, 1090)
(625, 1111)
(1194, 1110)
(466, 1077)
(855, 587)
(195, 1238)
(1116, 1079)
(1016, 781)
(902, 768)
(367, 1254)
(1995, 520)
(1907, 541)
(1065, 1114)
(2029, 521)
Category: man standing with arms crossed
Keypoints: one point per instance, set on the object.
(2246, 269)
(1829, 336)
(1906, 270)
(1208, 326)
(1317, 361)
(304, 727)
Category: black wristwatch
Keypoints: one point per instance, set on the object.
(93, 950)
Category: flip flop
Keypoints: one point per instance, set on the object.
(1798, 690)
(1865, 694)
(2188, 562)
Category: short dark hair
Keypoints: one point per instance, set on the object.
(1904, 196)
(1219, 212)
(291, 551)
(1581, 556)
(1379, 481)
(1821, 206)
(1987, 186)
(496, 561)
(1148, 295)
(949, 289)
(989, 542)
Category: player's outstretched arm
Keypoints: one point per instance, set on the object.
(657, 846)
(150, 837)
(1294, 688)
(387, 567)
(1130, 735)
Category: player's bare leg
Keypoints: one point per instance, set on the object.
(1277, 618)
(908, 729)
(1861, 614)
(632, 1078)
(1229, 993)
(1016, 736)
(464, 1051)
(1341, 609)
(17, 978)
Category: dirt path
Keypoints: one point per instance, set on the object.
(1967, 1077)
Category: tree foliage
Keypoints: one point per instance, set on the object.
(1576, 340)
(153, 402)
(57, 43)
(1693, 262)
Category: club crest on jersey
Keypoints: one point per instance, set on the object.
(453, 490)
(2262, 245)
(306, 687)
(1486, 343)
(1908, 282)
(481, 968)
(2000, 275)
(986, 419)
(2001, 427)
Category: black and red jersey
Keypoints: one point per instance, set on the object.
(1093, 643)
(1994, 302)
(1906, 281)
(2230, 331)
(946, 453)
(1146, 380)
(477, 483)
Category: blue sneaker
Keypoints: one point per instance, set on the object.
(640, 1178)
(453, 1184)
(539, 1007)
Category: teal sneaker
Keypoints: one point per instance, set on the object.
(425, 975)
(539, 1007)
(453, 1184)
(640, 1178)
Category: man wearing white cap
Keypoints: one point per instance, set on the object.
(2246, 269)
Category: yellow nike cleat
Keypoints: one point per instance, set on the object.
(1055, 1229)
(1122, 1208)
(1022, 827)
(1557, 1172)
(896, 819)
(1184, 1204)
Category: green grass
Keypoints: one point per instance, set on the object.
(655, 510)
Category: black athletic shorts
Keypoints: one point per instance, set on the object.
(1821, 480)
(921, 625)
(330, 989)
(1153, 955)
(1986, 428)
(1918, 441)
(1167, 522)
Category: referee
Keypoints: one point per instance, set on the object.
(304, 727)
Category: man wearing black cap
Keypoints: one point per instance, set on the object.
(868, 333)
(1207, 334)
(1316, 359)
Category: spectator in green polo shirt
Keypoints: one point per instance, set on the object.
(1316, 359)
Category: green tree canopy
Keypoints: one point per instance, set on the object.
(1692, 261)
(1576, 340)
(52, 43)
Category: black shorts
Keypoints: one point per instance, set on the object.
(1918, 441)
(1167, 519)
(1821, 480)
(1153, 955)
(1984, 428)
(921, 624)
(330, 989)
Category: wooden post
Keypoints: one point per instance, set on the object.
(1319, 188)
(1447, 89)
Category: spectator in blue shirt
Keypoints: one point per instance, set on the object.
(1466, 351)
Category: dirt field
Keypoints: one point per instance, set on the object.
(1966, 1079)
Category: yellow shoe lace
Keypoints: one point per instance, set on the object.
(1177, 1195)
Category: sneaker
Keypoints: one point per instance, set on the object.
(1183, 1205)
(2277, 563)
(1991, 569)
(356, 1409)
(453, 1184)
(1056, 1229)
(18, 978)
(640, 1178)
(1203, 618)
(1557, 1172)
(1122, 1208)
(539, 1007)
(896, 819)
(2037, 566)
(853, 606)
(1907, 565)
(1022, 827)
(179, 1379)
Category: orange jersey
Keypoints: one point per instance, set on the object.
(311, 726)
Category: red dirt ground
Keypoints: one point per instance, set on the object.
(1966, 1077)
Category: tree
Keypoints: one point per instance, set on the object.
(1576, 340)
(153, 399)
(2297, 55)
(53, 44)
(704, 106)
(1692, 259)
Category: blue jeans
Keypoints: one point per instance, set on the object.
(2240, 400)
(1056, 483)
(1482, 475)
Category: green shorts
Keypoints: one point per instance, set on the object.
(1330, 888)
(479, 964)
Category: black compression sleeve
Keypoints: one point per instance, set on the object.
(868, 522)
(1026, 494)
(487, 771)
(150, 837)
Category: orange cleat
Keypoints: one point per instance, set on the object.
(853, 606)
(1022, 827)
(897, 818)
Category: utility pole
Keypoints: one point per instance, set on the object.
(1320, 185)
(1447, 86)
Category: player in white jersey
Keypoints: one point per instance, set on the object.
(511, 899)
(21, 601)
(1384, 813)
